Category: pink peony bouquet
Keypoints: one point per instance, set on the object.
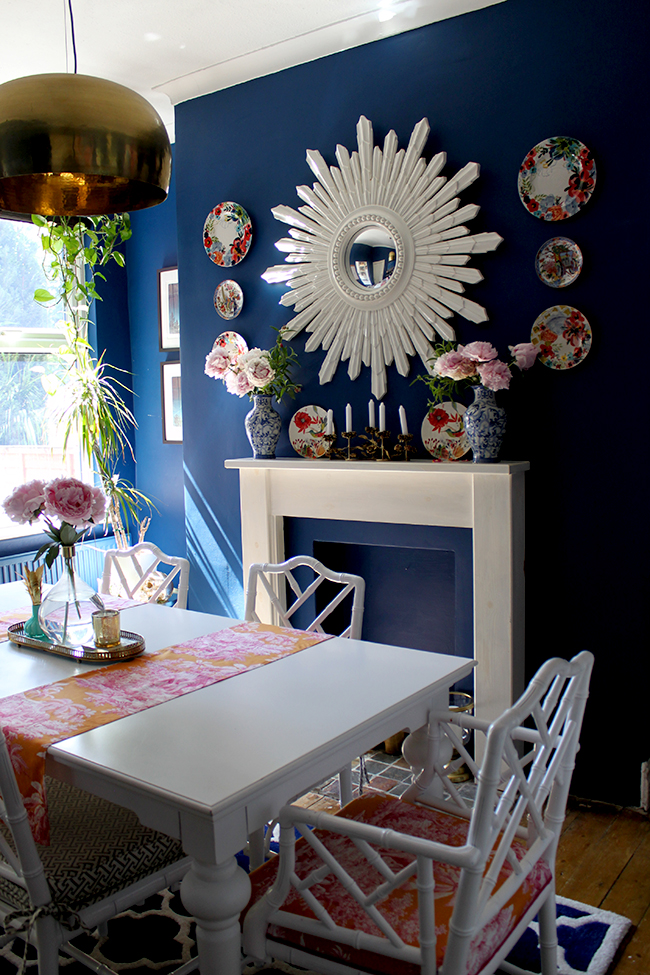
(475, 364)
(76, 505)
(255, 371)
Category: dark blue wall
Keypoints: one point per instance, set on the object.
(492, 84)
(160, 466)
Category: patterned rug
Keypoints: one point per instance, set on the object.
(158, 937)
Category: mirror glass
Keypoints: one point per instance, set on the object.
(371, 257)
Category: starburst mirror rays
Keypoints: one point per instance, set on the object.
(376, 258)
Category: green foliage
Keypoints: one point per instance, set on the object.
(282, 359)
(90, 403)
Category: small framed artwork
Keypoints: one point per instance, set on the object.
(172, 407)
(169, 322)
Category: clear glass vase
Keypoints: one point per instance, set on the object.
(66, 611)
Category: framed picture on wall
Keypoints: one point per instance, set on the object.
(172, 407)
(169, 322)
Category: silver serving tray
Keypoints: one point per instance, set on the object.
(131, 645)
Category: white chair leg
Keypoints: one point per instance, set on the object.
(345, 785)
(548, 934)
(256, 848)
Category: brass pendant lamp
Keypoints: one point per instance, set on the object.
(75, 144)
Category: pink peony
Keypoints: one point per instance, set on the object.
(217, 363)
(494, 375)
(74, 502)
(524, 354)
(25, 504)
(258, 368)
(238, 383)
(99, 505)
(454, 365)
(478, 351)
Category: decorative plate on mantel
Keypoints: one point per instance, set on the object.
(307, 431)
(227, 234)
(563, 336)
(443, 431)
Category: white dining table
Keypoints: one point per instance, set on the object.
(211, 766)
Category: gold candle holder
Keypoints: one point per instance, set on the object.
(404, 445)
(106, 624)
(383, 449)
(349, 435)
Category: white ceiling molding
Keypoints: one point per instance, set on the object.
(385, 20)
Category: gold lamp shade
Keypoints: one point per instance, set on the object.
(74, 144)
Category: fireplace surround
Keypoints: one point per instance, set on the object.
(487, 498)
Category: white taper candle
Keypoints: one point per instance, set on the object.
(402, 420)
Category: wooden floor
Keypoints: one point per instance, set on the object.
(603, 860)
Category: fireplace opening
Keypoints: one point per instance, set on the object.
(418, 580)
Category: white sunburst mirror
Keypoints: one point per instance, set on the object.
(376, 259)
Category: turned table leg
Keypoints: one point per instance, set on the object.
(215, 894)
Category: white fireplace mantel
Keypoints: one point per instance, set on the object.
(488, 498)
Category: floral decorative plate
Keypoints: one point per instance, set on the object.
(231, 342)
(558, 262)
(443, 432)
(556, 178)
(227, 234)
(307, 431)
(563, 336)
(228, 299)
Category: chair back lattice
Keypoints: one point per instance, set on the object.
(141, 572)
(262, 576)
(511, 831)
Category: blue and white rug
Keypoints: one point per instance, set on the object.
(158, 936)
(588, 939)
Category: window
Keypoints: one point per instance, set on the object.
(31, 439)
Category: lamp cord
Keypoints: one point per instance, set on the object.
(74, 42)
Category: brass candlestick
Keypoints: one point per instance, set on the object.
(371, 445)
(349, 435)
(384, 454)
(404, 445)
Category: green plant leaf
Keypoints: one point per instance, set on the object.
(42, 295)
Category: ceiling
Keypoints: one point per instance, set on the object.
(171, 51)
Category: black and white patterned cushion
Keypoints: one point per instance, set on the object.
(97, 849)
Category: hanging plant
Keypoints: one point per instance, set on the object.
(88, 402)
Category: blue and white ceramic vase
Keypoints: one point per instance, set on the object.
(485, 426)
(263, 425)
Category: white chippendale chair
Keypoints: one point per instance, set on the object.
(261, 579)
(101, 861)
(428, 880)
(144, 570)
(261, 576)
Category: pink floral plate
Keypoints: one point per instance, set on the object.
(558, 262)
(307, 431)
(231, 342)
(556, 178)
(563, 336)
(227, 234)
(443, 432)
(228, 299)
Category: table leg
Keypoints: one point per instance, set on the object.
(215, 894)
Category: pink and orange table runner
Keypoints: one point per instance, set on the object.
(37, 718)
